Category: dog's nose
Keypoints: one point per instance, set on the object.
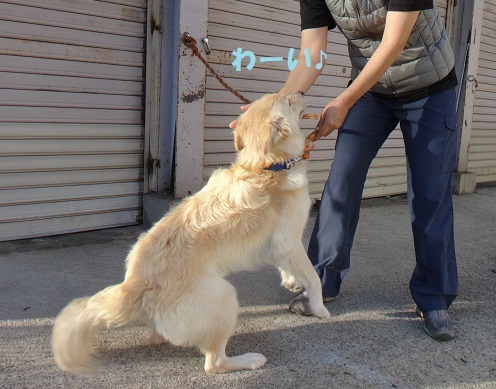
(301, 93)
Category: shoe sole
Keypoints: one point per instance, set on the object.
(440, 338)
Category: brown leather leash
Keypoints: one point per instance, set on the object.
(191, 43)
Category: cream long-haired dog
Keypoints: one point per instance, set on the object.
(244, 217)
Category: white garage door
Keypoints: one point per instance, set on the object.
(270, 29)
(71, 115)
(482, 150)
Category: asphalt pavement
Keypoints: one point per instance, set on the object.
(373, 339)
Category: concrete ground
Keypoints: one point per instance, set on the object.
(373, 340)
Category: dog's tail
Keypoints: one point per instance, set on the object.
(79, 321)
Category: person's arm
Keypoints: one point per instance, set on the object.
(397, 30)
(303, 77)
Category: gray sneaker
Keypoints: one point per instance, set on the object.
(300, 304)
(437, 324)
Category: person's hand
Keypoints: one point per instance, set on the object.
(244, 108)
(331, 118)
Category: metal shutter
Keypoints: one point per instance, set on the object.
(71, 115)
(269, 29)
(482, 150)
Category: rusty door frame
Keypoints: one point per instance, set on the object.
(190, 124)
(154, 30)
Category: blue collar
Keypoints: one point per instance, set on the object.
(284, 166)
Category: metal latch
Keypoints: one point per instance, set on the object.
(473, 79)
(207, 47)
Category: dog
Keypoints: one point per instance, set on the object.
(245, 216)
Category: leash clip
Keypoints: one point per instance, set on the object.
(293, 162)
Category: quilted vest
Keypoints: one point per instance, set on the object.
(426, 58)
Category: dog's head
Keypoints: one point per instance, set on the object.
(268, 132)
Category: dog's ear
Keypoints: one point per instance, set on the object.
(280, 127)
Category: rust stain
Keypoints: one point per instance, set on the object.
(154, 26)
(190, 97)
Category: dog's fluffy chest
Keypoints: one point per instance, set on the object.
(296, 178)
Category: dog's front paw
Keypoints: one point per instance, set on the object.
(323, 313)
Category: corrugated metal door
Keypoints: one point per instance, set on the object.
(482, 149)
(71, 115)
(270, 29)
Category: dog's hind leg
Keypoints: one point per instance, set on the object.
(220, 320)
(216, 360)
(205, 317)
